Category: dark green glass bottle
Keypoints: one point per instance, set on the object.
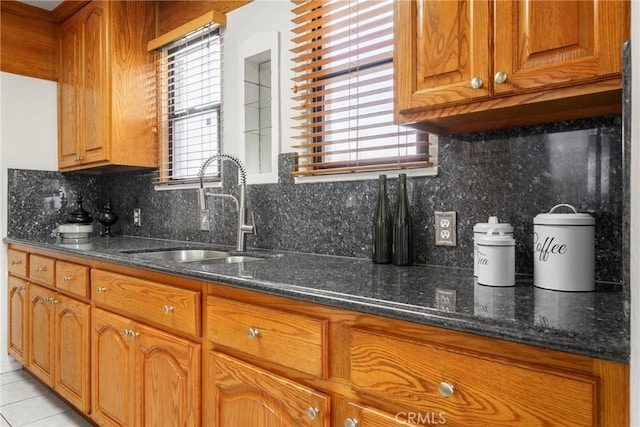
(402, 226)
(382, 224)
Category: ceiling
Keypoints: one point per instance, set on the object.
(42, 4)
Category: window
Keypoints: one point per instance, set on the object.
(344, 87)
(189, 98)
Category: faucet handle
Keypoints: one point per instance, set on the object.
(249, 228)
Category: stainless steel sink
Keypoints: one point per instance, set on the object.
(226, 260)
(193, 256)
(181, 255)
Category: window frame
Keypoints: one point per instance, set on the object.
(325, 170)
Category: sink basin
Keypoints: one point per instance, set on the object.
(193, 256)
(181, 255)
(226, 260)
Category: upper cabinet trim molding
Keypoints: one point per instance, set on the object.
(212, 16)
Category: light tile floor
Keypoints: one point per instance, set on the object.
(26, 402)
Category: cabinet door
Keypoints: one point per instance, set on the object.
(244, 395)
(541, 44)
(18, 318)
(72, 351)
(441, 46)
(112, 373)
(94, 100)
(168, 378)
(69, 92)
(41, 333)
(364, 416)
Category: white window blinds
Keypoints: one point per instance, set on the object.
(189, 72)
(344, 87)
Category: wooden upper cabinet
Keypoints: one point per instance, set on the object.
(106, 96)
(451, 48)
(477, 65)
(542, 44)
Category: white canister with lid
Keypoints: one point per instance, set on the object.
(497, 259)
(564, 250)
(480, 229)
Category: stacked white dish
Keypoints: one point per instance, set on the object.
(75, 233)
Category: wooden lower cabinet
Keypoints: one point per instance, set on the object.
(364, 416)
(59, 337)
(71, 361)
(246, 395)
(274, 361)
(41, 333)
(18, 338)
(142, 376)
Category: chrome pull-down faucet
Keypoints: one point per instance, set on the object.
(241, 205)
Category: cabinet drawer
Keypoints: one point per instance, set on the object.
(175, 308)
(482, 392)
(291, 340)
(17, 262)
(72, 277)
(41, 269)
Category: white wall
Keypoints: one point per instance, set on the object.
(259, 16)
(635, 214)
(28, 140)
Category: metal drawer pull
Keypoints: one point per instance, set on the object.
(126, 333)
(101, 290)
(351, 422)
(500, 77)
(312, 413)
(18, 288)
(14, 262)
(39, 269)
(476, 83)
(253, 333)
(67, 278)
(166, 309)
(446, 389)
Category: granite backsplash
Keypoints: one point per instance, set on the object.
(514, 174)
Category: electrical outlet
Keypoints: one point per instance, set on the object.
(137, 217)
(446, 300)
(446, 228)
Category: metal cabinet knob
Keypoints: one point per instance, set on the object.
(50, 300)
(67, 278)
(351, 422)
(445, 389)
(14, 262)
(38, 269)
(253, 333)
(129, 333)
(166, 309)
(18, 288)
(101, 290)
(312, 413)
(77, 159)
(476, 83)
(500, 77)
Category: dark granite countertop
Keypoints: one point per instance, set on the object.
(592, 324)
